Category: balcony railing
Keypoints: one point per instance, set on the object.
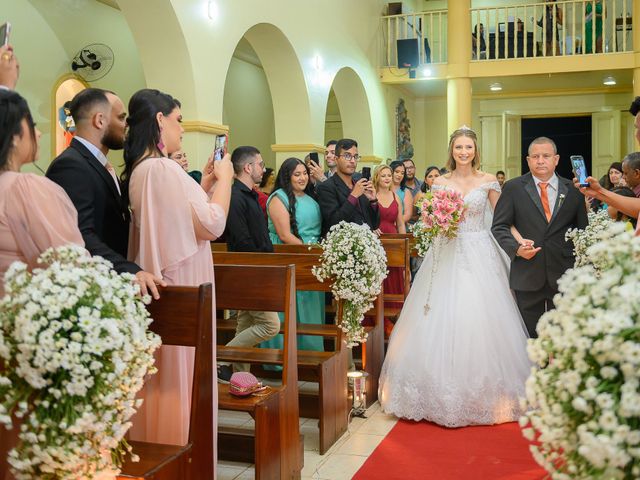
(572, 27)
(426, 29)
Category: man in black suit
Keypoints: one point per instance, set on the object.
(542, 206)
(341, 197)
(85, 173)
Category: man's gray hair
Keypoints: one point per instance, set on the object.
(541, 141)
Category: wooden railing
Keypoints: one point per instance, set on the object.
(428, 29)
(572, 27)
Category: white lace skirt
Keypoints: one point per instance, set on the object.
(464, 362)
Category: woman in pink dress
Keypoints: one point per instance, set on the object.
(173, 222)
(35, 213)
(391, 221)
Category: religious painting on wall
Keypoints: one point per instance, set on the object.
(404, 149)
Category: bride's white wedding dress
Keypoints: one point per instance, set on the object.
(457, 355)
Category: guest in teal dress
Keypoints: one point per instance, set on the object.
(399, 180)
(294, 218)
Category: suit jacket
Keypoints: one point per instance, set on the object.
(332, 197)
(520, 205)
(103, 215)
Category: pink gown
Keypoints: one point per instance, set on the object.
(35, 214)
(163, 241)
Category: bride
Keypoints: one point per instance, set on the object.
(457, 355)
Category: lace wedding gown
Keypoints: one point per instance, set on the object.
(457, 355)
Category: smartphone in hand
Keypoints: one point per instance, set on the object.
(366, 173)
(579, 169)
(221, 147)
(5, 31)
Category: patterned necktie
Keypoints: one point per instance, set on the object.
(112, 172)
(545, 199)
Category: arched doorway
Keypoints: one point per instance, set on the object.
(333, 120)
(265, 51)
(353, 105)
(65, 89)
(247, 105)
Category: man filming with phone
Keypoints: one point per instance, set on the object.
(343, 198)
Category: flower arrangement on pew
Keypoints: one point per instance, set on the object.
(600, 228)
(355, 261)
(440, 213)
(74, 351)
(584, 400)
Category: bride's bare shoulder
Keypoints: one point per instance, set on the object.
(443, 179)
(487, 177)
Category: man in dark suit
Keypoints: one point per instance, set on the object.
(542, 207)
(85, 173)
(341, 197)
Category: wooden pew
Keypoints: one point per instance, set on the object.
(372, 353)
(183, 316)
(276, 443)
(328, 369)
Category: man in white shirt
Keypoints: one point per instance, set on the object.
(85, 173)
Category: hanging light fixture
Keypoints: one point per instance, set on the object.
(495, 87)
(609, 81)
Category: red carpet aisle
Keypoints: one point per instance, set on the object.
(426, 451)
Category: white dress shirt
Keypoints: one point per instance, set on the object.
(552, 190)
(95, 151)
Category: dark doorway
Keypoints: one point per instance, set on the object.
(572, 136)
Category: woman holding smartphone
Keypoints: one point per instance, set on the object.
(294, 218)
(173, 223)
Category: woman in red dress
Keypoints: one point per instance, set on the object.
(391, 221)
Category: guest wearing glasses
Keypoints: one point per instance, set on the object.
(342, 198)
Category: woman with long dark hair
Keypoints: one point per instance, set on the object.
(35, 213)
(399, 187)
(294, 218)
(173, 223)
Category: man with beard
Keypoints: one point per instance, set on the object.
(85, 173)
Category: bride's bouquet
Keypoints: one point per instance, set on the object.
(440, 213)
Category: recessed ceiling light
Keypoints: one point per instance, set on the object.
(495, 87)
(609, 81)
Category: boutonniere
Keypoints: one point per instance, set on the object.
(561, 199)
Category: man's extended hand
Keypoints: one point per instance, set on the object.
(148, 283)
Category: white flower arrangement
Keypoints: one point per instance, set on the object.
(599, 229)
(584, 400)
(74, 351)
(355, 261)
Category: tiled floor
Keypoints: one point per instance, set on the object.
(342, 460)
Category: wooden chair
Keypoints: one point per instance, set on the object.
(328, 369)
(276, 443)
(183, 317)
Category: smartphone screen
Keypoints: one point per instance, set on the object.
(220, 149)
(314, 156)
(5, 30)
(579, 169)
(366, 173)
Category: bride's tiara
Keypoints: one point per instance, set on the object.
(463, 130)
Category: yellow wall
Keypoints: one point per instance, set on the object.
(47, 34)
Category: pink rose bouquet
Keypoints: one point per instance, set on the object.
(440, 214)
